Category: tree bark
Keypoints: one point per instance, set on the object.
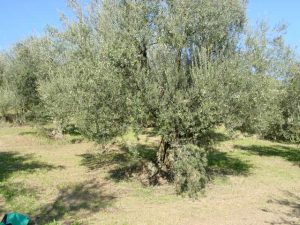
(162, 154)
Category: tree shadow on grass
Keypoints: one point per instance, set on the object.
(221, 163)
(18, 196)
(74, 137)
(39, 132)
(212, 138)
(13, 162)
(289, 153)
(150, 132)
(291, 214)
(128, 162)
(72, 130)
(80, 199)
(25, 133)
(123, 163)
(11, 190)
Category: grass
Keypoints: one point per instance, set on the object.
(58, 182)
(289, 153)
(222, 163)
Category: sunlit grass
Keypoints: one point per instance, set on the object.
(58, 182)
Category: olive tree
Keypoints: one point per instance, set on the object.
(178, 66)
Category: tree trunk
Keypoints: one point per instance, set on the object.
(162, 155)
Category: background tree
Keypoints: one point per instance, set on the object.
(83, 88)
(8, 97)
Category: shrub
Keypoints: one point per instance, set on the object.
(189, 169)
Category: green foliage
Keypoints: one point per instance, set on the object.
(187, 105)
(25, 65)
(83, 90)
(8, 92)
(292, 106)
(288, 128)
(255, 90)
(190, 166)
(8, 100)
(24, 70)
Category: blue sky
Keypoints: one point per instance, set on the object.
(278, 11)
(21, 18)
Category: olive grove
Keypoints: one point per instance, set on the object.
(183, 67)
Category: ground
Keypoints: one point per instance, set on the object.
(71, 182)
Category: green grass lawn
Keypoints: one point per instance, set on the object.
(68, 181)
